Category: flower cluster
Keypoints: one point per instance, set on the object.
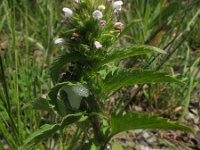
(98, 16)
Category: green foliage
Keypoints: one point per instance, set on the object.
(131, 51)
(124, 78)
(25, 39)
(42, 104)
(133, 121)
(89, 65)
(166, 12)
(49, 129)
(72, 98)
(7, 135)
(96, 67)
(61, 61)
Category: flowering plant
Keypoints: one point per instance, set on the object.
(88, 71)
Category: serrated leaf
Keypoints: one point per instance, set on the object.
(60, 62)
(125, 77)
(133, 121)
(48, 129)
(134, 50)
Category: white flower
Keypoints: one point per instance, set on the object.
(59, 41)
(97, 14)
(68, 12)
(77, 1)
(97, 45)
(101, 7)
(117, 5)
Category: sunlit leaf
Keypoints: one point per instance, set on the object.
(74, 92)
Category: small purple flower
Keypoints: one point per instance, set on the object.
(102, 23)
(118, 25)
(97, 45)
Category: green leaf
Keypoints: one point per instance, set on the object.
(61, 61)
(48, 129)
(42, 104)
(39, 135)
(131, 51)
(54, 92)
(73, 98)
(125, 77)
(133, 121)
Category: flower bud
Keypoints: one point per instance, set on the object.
(97, 45)
(68, 12)
(118, 25)
(101, 7)
(102, 23)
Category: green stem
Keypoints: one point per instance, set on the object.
(14, 47)
(94, 106)
(103, 147)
